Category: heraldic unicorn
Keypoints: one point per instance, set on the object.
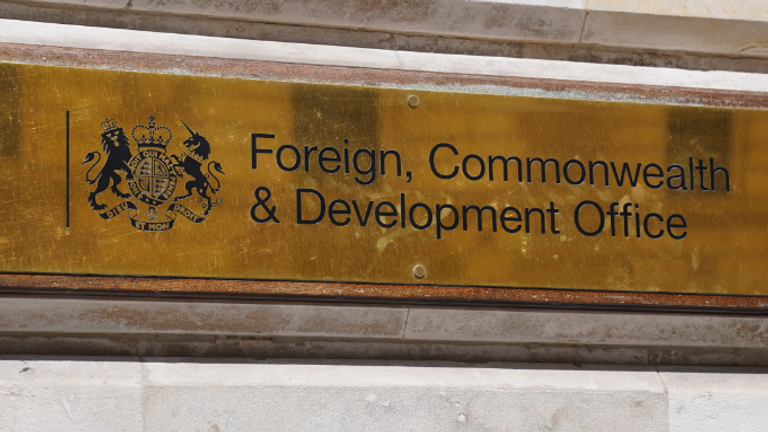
(152, 176)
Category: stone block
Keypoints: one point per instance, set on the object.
(550, 20)
(388, 398)
(673, 33)
(84, 396)
(106, 4)
(743, 10)
(586, 328)
(93, 316)
(715, 400)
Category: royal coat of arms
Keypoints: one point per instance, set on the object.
(153, 176)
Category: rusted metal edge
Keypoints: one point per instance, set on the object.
(344, 75)
(250, 290)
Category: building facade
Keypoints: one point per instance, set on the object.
(377, 346)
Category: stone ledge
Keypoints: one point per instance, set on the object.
(742, 10)
(407, 324)
(93, 38)
(87, 316)
(632, 329)
(750, 60)
(247, 347)
(712, 26)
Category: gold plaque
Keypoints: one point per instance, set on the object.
(125, 173)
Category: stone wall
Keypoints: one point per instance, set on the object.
(172, 394)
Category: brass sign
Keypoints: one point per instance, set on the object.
(125, 173)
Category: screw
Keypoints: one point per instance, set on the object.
(419, 271)
(413, 101)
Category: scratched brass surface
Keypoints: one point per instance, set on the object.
(723, 250)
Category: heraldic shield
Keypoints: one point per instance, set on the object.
(153, 176)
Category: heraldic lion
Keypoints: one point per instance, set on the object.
(199, 149)
(117, 148)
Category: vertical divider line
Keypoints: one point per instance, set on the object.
(67, 168)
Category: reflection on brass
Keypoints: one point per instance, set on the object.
(9, 99)
(121, 173)
(691, 134)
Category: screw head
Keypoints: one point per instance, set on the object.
(419, 271)
(413, 101)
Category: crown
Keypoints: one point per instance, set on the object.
(109, 124)
(150, 135)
